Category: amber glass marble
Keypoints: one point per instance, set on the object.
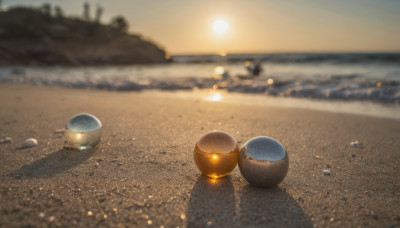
(216, 154)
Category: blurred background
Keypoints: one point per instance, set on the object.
(346, 50)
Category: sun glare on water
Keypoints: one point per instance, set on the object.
(220, 26)
(219, 70)
(215, 97)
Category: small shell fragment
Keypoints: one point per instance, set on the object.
(6, 140)
(30, 143)
(355, 144)
(61, 130)
(327, 172)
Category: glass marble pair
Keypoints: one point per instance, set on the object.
(263, 161)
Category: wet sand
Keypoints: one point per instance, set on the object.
(143, 172)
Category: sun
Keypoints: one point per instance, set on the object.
(220, 26)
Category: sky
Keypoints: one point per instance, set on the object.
(253, 26)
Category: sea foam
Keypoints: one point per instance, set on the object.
(296, 82)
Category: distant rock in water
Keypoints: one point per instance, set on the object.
(30, 37)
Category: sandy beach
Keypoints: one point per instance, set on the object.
(142, 173)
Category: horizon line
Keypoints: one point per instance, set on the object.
(287, 52)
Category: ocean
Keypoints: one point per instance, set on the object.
(330, 76)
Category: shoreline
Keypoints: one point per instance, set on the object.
(142, 173)
(312, 82)
(357, 107)
(362, 108)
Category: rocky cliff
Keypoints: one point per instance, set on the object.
(29, 36)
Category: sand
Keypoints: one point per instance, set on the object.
(143, 173)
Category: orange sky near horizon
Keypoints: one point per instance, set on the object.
(185, 27)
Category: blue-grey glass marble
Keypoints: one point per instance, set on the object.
(263, 161)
